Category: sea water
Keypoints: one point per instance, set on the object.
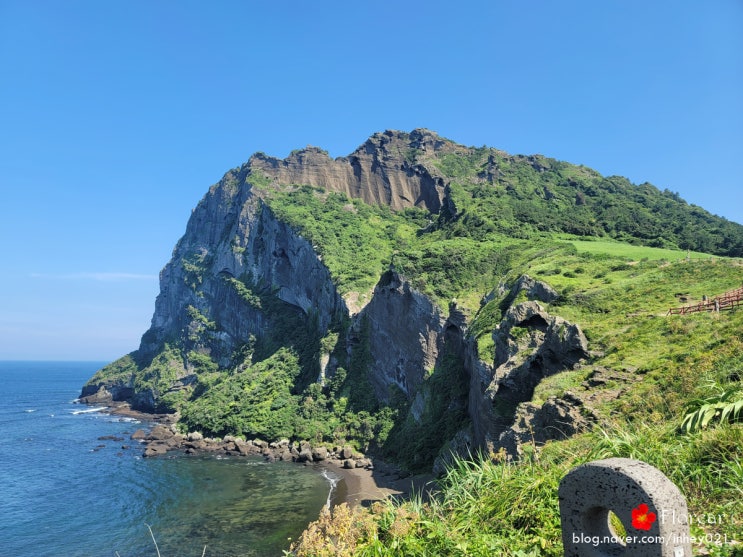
(73, 483)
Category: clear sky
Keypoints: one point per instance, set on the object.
(116, 116)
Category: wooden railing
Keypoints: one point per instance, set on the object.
(725, 302)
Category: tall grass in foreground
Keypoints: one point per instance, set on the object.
(497, 508)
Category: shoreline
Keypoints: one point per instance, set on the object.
(356, 486)
(364, 486)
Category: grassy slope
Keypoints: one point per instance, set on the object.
(488, 507)
(633, 252)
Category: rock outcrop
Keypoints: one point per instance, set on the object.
(405, 334)
(384, 170)
(558, 418)
(530, 344)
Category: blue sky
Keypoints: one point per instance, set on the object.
(116, 117)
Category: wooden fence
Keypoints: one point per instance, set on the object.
(727, 301)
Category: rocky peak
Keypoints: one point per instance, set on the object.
(384, 170)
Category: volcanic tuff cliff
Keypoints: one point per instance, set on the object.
(382, 171)
(252, 325)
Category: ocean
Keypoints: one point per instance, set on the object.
(73, 483)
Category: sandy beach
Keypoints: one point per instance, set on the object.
(360, 486)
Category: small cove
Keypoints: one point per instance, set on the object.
(75, 484)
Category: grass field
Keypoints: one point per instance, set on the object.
(635, 253)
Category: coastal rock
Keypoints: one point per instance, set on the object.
(106, 393)
(229, 446)
(198, 445)
(305, 455)
(160, 433)
(156, 449)
(319, 453)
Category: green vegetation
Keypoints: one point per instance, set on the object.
(253, 401)
(634, 252)
(717, 408)
(355, 240)
(195, 265)
(485, 506)
(118, 372)
(416, 443)
(618, 255)
(523, 196)
(158, 377)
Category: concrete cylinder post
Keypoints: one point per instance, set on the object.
(651, 508)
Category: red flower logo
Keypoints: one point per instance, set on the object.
(642, 518)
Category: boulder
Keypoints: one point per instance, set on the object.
(319, 453)
(245, 448)
(197, 445)
(159, 433)
(155, 449)
(305, 455)
(229, 446)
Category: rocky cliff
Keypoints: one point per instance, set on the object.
(384, 170)
(243, 284)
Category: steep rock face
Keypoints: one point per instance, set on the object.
(232, 234)
(405, 336)
(530, 345)
(382, 171)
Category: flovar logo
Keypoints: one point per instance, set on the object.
(642, 518)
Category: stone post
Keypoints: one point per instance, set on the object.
(651, 508)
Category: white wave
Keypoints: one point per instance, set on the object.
(333, 481)
(126, 419)
(89, 410)
(30, 410)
